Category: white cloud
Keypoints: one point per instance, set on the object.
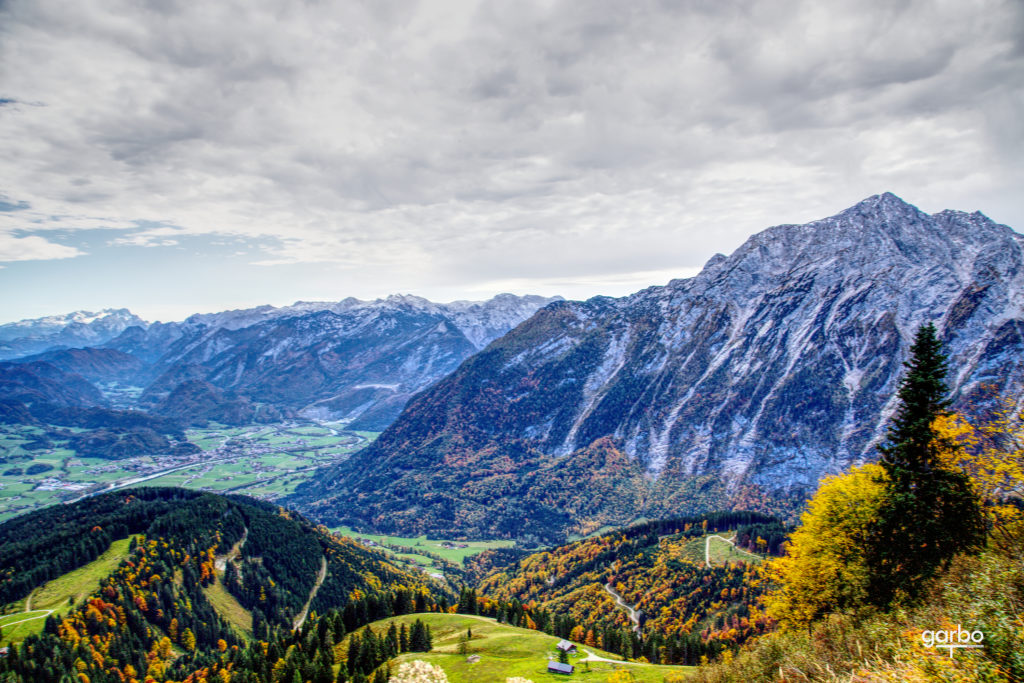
(475, 142)
(33, 248)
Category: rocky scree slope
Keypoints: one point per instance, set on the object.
(771, 368)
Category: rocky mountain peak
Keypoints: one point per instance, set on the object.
(75, 329)
(774, 366)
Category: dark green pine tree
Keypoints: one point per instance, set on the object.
(930, 512)
(354, 646)
(324, 671)
(392, 641)
(403, 638)
(419, 637)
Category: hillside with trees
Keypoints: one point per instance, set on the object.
(677, 608)
(889, 558)
(894, 562)
(152, 617)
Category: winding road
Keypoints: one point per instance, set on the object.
(622, 603)
(221, 561)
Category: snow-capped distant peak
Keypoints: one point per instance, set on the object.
(78, 328)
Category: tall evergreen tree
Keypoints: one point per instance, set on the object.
(930, 512)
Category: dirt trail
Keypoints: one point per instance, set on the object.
(622, 603)
(301, 619)
(221, 561)
(591, 657)
(38, 616)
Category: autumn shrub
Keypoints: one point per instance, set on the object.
(621, 676)
(824, 569)
(978, 592)
(990, 450)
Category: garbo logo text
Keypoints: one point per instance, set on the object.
(953, 639)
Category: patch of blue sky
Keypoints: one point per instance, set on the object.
(166, 281)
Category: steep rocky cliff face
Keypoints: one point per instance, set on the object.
(771, 368)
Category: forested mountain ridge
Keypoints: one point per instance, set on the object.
(650, 579)
(154, 616)
(772, 367)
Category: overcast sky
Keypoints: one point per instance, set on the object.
(176, 157)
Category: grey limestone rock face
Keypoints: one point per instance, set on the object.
(780, 363)
(773, 367)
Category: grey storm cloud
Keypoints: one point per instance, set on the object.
(502, 140)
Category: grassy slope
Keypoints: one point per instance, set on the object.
(721, 552)
(76, 585)
(229, 608)
(507, 651)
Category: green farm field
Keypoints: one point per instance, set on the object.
(435, 546)
(264, 461)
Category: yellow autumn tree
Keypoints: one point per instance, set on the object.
(991, 451)
(824, 569)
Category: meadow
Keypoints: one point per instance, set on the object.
(507, 651)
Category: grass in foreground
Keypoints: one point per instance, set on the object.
(507, 651)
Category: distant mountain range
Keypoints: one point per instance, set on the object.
(81, 328)
(771, 368)
(349, 359)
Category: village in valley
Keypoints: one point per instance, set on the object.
(262, 461)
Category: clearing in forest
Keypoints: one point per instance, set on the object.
(59, 595)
